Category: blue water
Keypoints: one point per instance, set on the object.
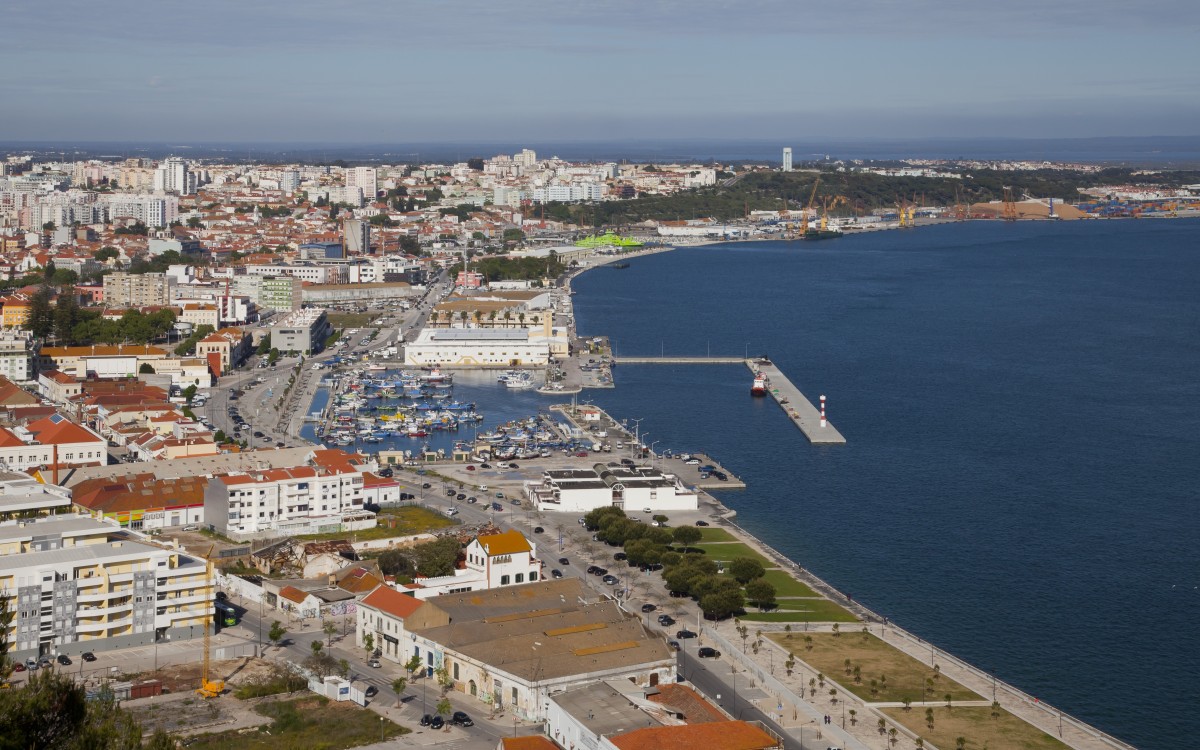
(1022, 408)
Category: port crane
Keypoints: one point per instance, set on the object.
(812, 197)
(208, 688)
(1010, 205)
(829, 204)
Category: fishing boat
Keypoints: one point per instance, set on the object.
(759, 386)
(524, 380)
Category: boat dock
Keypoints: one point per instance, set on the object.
(798, 408)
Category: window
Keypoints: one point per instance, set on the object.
(455, 670)
(520, 578)
(533, 576)
(503, 580)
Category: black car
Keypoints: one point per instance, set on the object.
(702, 523)
(610, 580)
(88, 656)
(461, 496)
(64, 660)
(564, 561)
(386, 472)
(648, 607)
(675, 645)
(538, 530)
(426, 720)
(591, 569)
(258, 433)
(708, 652)
(437, 723)
(556, 573)
(426, 486)
(485, 466)
(449, 493)
(685, 634)
(601, 571)
(461, 719)
(371, 691)
(620, 556)
(666, 620)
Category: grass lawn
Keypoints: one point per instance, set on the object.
(310, 723)
(977, 726)
(785, 585)
(905, 675)
(805, 610)
(731, 550)
(351, 320)
(403, 521)
(713, 534)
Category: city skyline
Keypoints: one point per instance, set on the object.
(398, 71)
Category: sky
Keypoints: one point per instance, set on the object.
(401, 71)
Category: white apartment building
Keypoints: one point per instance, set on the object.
(151, 210)
(52, 441)
(173, 176)
(289, 181)
(326, 496)
(77, 586)
(493, 560)
(364, 178)
(17, 352)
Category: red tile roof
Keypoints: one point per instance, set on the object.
(392, 602)
(713, 735)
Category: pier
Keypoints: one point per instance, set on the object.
(678, 360)
(798, 408)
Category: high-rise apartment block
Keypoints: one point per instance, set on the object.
(123, 289)
(366, 178)
(787, 160)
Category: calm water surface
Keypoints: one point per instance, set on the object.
(1022, 409)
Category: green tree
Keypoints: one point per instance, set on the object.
(330, 629)
(745, 569)
(316, 647)
(41, 315)
(761, 593)
(194, 222)
(276, 633)
(413, 665)
(369, 643)
(722, 603)
(398, 686)
(444, 708)
(264, 346)
(960, 742)
(146, 369)
(929, 718)
(106, 253)
(189, 393)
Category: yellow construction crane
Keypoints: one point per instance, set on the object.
(208, 688)
(828, 204)
(808, 207)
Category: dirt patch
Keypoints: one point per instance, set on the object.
(185, 678)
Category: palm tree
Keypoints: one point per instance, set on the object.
(995, 709)
(808, 642)
(929, 718)
(882, 725)
(920, 743)
(812, 686)
(893, 735)
(492, 318)
(853, 717)
(948, 703)
(521, 319)
(846, 664)
(508, 318)
(833, 696)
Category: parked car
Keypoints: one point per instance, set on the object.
(666, 620)
(675, 645)
(426, 720)
(371, 691)
(88, 656)
(620, 556)
(708, 652)
(31, 664)
(374, 663)
(702, 523)
(538, 530)
(556, 573)
(591, 569)
(611, 580)
(461, 719)
(18, 667)
(685, 634)
(450, 493)
(437, 723)
(692, 462)
(564, 561)
(461, 496)
(648, 607)
(470, 467)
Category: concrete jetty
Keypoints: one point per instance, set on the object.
(678, 360)
(798, 408)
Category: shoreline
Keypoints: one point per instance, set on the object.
(1028, 708)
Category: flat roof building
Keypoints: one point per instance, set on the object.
(302, 331)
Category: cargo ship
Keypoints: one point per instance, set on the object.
(759, 386)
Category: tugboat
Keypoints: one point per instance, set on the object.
(759, 386)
